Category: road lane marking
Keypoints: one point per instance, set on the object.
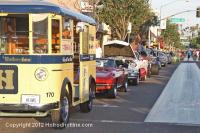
(134, 122)
(108, 121)
(106, 106)
(120, 122)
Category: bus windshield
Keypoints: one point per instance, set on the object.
(14, 34)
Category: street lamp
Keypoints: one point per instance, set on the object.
(161, 7)
(169, 3)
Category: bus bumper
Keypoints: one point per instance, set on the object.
(24, 110)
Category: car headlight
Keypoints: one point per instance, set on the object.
(41, 74)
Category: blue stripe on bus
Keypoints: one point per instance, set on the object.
(42, 59)
(35, 59)
(87, 57)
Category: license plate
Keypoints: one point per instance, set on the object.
(30, 99)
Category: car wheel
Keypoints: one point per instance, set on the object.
(144, 78)
(62, 115)
(113, 92)
(125, 86)
(136, 81)
(155, 70)
(163, 65)
(87, 106)
(149, 73)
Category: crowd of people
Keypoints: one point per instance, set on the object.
(193, 53)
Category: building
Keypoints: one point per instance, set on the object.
(71, 4)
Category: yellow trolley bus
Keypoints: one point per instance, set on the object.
(47, 60)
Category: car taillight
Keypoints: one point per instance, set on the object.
(109, 81)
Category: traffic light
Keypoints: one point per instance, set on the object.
(198, 12)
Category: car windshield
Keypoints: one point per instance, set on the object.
(105, 63)
(148, 51)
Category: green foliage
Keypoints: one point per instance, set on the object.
(118, 13)
(171, 35)
(195, 42)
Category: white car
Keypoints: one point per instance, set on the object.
(141, 65)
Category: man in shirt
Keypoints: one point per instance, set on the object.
(98, 51)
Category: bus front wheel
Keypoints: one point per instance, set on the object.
(87, 106)
(62, 114)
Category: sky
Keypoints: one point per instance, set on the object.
(170, 7)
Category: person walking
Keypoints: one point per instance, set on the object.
(189, 54)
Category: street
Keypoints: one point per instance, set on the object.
(128, 111)
(102, 66)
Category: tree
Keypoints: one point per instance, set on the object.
(195, 42)
(118, 13)
(171, 35)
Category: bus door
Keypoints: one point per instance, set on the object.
(76, 61)
(55, 35)
(84, 61)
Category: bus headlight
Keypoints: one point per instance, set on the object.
(41, 74)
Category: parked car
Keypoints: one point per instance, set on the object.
(169, 58)
(163, 58)
(123, 49)
(110, 77)
(133, 72)
(141, 65)
(153, 61)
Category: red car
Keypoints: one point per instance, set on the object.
(110, 76)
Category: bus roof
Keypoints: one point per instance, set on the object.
(42, 7)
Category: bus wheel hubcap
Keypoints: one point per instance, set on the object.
(65, 109)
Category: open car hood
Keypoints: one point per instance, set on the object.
(117, 48)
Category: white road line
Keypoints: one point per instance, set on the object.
(131, 122)
(180, 100)
(106, 106)
(107, 121)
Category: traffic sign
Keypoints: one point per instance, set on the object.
(177, 20)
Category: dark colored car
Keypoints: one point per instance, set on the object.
(154, 62)
(169, 57)
(129, 65)
(163, 58)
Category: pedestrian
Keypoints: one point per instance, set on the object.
(197, 54)
(189, 54)
(98, 51)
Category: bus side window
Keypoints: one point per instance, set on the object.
(84, 31)
(40, 33)
(67, 29)
(55, 36)
(14, 34)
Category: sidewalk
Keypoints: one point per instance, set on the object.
(180, 100)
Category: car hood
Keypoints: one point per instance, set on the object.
(103, 72)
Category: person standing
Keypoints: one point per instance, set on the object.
(197, 54)
(189, 54)
(98, 51)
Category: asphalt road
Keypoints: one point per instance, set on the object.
(125, 114)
